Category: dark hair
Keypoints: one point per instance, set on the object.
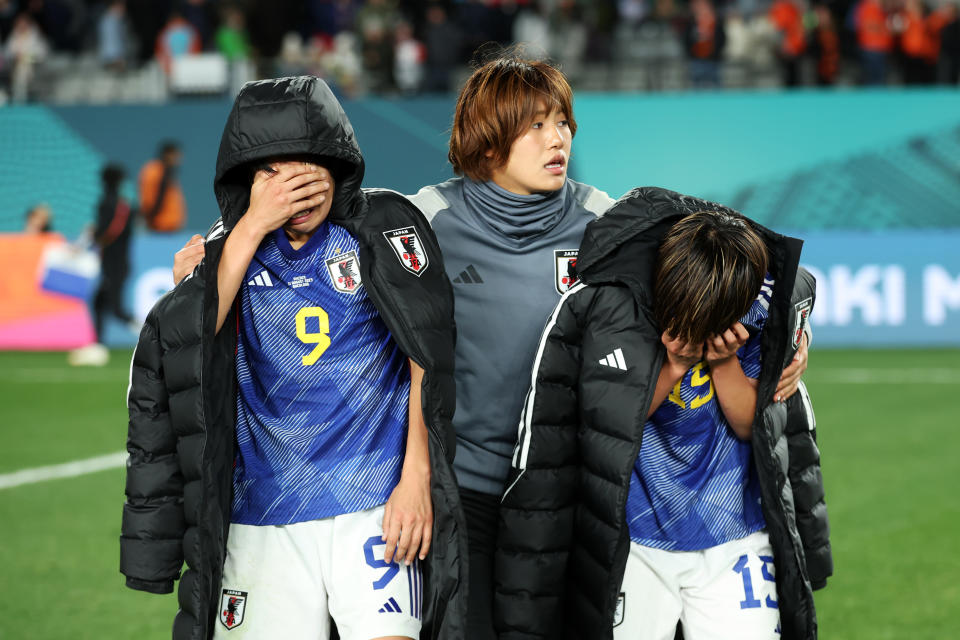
(168, 146)
(496, 104)
(112, 175)
(709, 271)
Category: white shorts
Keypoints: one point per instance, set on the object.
(287, 581)
(725, 592)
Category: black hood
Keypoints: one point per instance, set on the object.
(286, 116)
(621, 245)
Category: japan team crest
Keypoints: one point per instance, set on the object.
(565, 269)
(232, 606)
(344, 270)
(406, 244)
(801, 318)
(618, 612)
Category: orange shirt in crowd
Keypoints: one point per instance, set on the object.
(705, 44)
(172, 211)
(873, 32)
(936, 21)
(787, 18)
(917, 39)
(829, 61)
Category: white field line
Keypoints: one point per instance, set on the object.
(118, 459)
(65, 470)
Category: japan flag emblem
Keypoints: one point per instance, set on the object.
(407, 246)
(232, 606)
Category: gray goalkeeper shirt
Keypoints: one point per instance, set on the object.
(508, 257)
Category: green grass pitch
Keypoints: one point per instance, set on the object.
(889, 437)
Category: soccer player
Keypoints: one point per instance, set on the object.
(290, 401)
(509, 225)
(649, 480)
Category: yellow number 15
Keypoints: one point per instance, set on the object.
(320, 338)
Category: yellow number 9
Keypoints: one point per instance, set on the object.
(321, 339)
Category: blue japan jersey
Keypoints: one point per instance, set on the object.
(694, 485)
(323, 388)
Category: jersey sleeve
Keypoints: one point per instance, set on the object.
(749, 355)
(754, 321)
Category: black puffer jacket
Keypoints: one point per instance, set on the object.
(182, 400)
(563, 540)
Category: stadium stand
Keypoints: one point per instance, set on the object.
(914, 184)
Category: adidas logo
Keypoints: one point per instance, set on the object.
(614, 360)
(390, 606)
(468, 276)
(262, 279)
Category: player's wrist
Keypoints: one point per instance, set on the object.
(415, 471)
(720, 361)
(677, 366)
(250, 228)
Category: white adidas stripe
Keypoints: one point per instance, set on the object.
(615, 360)
(522, 449)
(262, 279)
(618, 352)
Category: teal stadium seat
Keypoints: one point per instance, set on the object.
(43, 160)
(912, 185)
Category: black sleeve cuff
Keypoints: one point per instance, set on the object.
(149, 586)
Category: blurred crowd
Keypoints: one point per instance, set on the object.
(413, 46)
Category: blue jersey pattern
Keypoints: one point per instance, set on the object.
(323, 388)
(694, 485)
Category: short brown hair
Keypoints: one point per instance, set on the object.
(496, 104)
(709, 271)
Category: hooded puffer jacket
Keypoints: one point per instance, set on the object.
(182, 398)
(564, 540)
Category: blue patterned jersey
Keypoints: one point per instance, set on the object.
(694, 485)
(323, 388)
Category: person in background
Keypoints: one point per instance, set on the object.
(442, 38)
(177, 38)
(231, 38)
(25, 49)
(112, 36)
(39, 219)
(825, 46)
(112, 237)
(202, 16)
(947, 24)
(408, 58)
(918, 42)
(787, 17)
(705, 39)
(161, 199)
(375, 23)
(875, 39)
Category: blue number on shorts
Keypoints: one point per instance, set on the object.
(768, 560)
(379, 563)
(749, 601)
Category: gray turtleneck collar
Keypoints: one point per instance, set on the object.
(515, 216)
